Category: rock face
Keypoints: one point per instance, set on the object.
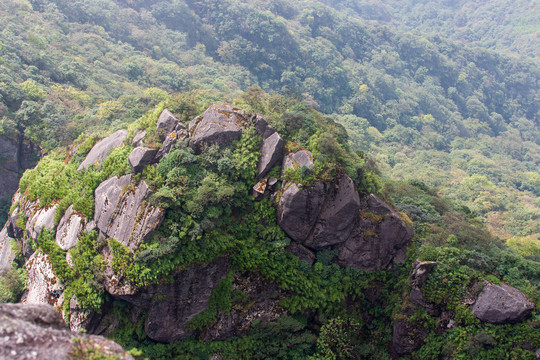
(14, 161)
(379, 238)
(103, 148)
(176, 304)
(407, 337)
(179, 134)
(69, 229)
(298, 159)
(39, 332)
(337, 217)
(501, 304)
(6, 254)
(138, 138)
(166, 124)
(271, 154)
(298, 209)
(220, 124)
(121, 211)
(43, 285)
(140, 157)
(43, 218)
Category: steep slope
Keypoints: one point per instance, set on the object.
(254, 236)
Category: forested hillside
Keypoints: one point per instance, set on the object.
(462, 119)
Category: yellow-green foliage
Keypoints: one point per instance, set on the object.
(526, 246)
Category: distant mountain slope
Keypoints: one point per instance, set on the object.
(456, 116)
(506, 26)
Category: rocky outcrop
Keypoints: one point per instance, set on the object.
(69, 228)
(14, 159)
(78, 316)
(39, 332)
(298, 159)
(42, 219)
(271, 154)
(379, 238)
(122, 213)
(260, 303)
(174, 305)
(138, 138)
(179, 134)
(102, 148)
(166, 123)
(220, 124)
(44, 287)
(6, 253)
(337, 217)
(302, 252)
(299, 208)
(501, 304)
(141, 157)
(407, 336)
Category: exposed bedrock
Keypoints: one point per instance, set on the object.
(102, 148)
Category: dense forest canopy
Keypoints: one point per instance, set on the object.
(462, 118)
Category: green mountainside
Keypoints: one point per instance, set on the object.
(425, 105)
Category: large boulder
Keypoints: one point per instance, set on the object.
(166, 123)
(271, 154)
(6, 253)
(501, 304)
(220, 124)
(298, 159)
(39, 332)
(69, 228)
(174, 305)
(407, 336)
(42, 219)
(140, 157)
(44, 287)
(102, 148)
(379, 238)
(337, 217)
(122, 212)
(179, 134)
(299, 208)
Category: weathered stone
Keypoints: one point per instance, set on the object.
(407, 337)
(39, 332)
(261, 304)
(271, 154)
(337, 217)
(298, 209)
(166, 124)
(122, 213)
(420, 272)
(6, 254)
(69, 229)
(263, 129)
(176, 304)
(298, 159)
(43, 285)
(140, 157)
(103, 148)
(302, 252)
(220, 124)
(259, 189)
(115, 283)
(170, 141)
(501, 304)
(44, 218)
(79, 317)
(378, 240)
(13, 229)
(138, 138)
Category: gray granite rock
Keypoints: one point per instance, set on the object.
(298, 159)
(6, 253)
(220, 124)
(174, 305)
(42, 219)
(298, 209)
(271, 154)
(166, 123)
(337, 217)
(138, 138)
(141, 157)
(33, 332)
(44, 287)
(69, 228)
(302, 252)
(170, 141)
(501, 304)
(122, 213)
(420, 272)
(102, 148)
(407, 336)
